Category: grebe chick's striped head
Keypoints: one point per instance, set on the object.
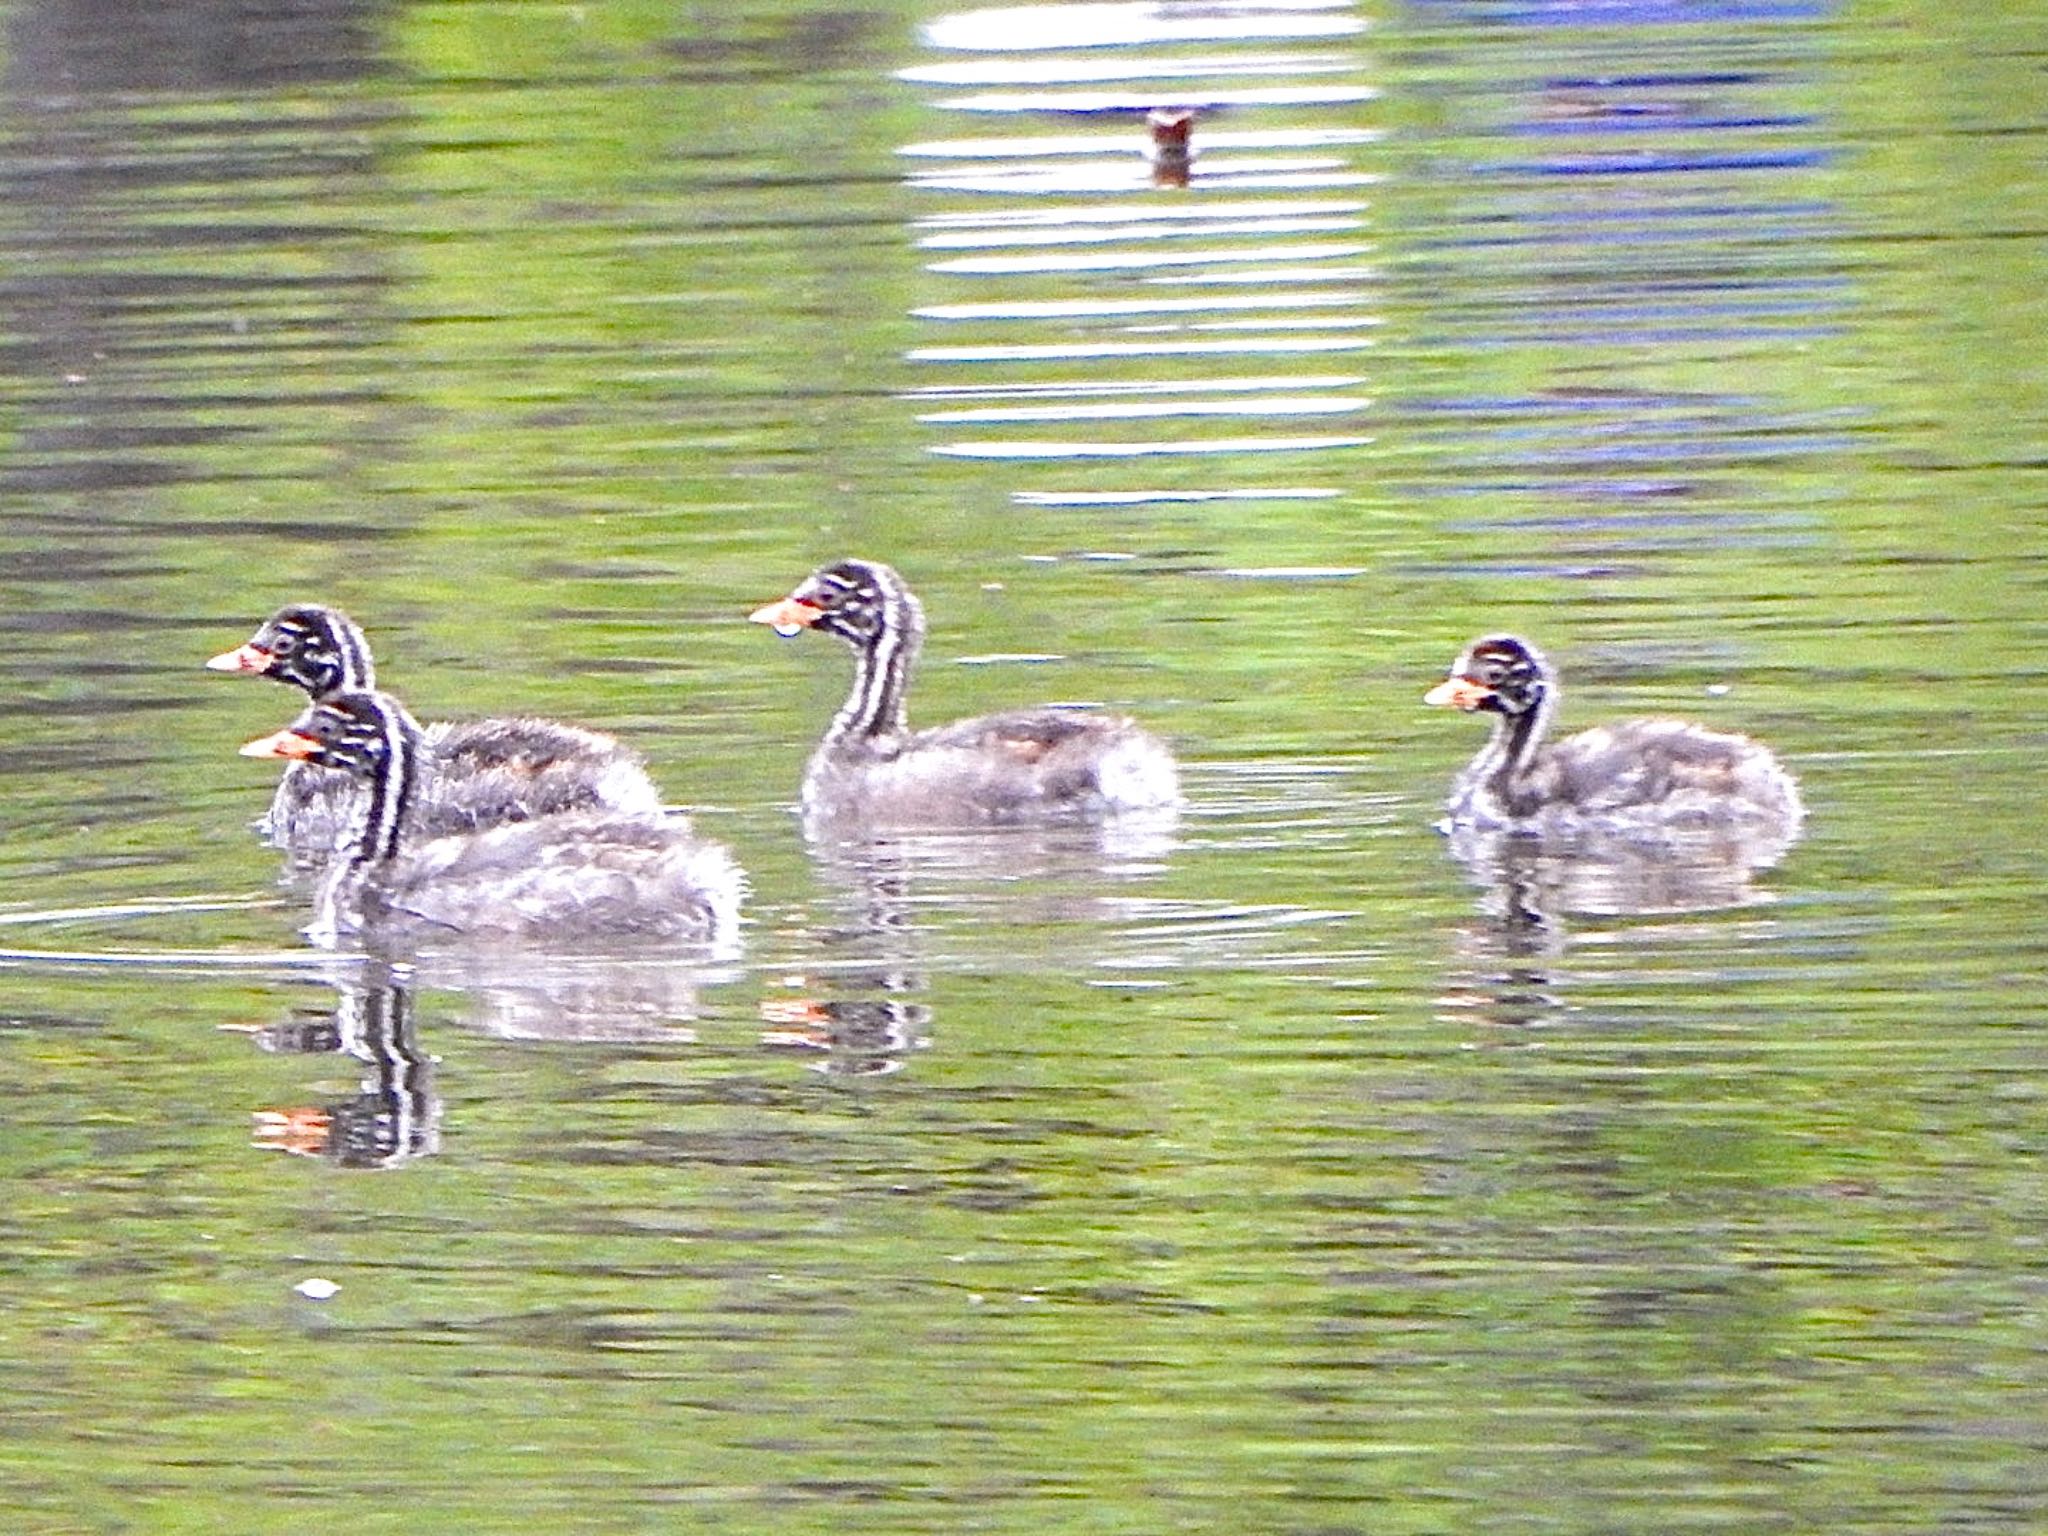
(358, 731)
(860, 601)
(312, 647)
(1501, 675)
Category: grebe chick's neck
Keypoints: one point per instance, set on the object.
(867, 605)
(370, 736)
(1508, 678)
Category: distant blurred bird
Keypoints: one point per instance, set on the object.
(1171, 153)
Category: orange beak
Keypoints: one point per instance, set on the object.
(1458, 693)
(788, 615)
(286, 743)
(243, 658)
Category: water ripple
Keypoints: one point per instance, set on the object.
(1027, 27)
(1137, 450)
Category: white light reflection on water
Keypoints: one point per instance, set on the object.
(1135, 450)
(1013, 27)
(1134, 349)
(1096, 144)
(1145, 101)
(1043, 70)
(1138, 217)
(1129, 170)
(1289, 405)
(963, 240)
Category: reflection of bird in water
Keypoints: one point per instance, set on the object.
(573, 877)
(867, 1025)
(1019, 766)
(1135, 846)
(569, 1001)
(1657, 782)
(396, 1116)
(856, 1001)
(485, 771)
(1170, 151)
(1591, 874)
(1532, 885)
(1500, 974)
(856, 1036)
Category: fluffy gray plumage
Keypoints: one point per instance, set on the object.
(574, 876)
(484, 772)
(1017, 766)
(1639, 777)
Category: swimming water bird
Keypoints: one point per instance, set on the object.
(581, 876)
(1638, 777)
(1020, 765)
(487, 772)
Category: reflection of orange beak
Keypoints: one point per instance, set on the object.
(801, 1021)
(795, 1010)
(286, 743)
(243, 658)
(788, 616)
(303, 1130)
(1458, 693)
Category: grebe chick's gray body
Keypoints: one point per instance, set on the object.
(485, 772)
(580, 876)
(1634, 778)
(1017, 766)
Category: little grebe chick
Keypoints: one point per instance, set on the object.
(1635, 777)
(567, 876)
(1021, 765)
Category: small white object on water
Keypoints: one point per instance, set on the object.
(1715, 690)
(317, 1289)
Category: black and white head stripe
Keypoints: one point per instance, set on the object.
(370, 735)
(315, 648)
(1512, 668)
(868, 605)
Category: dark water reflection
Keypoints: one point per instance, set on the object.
(1292, 1167)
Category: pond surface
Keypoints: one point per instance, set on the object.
(1286, 1168)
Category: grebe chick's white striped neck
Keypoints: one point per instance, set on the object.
(487, 772)
(1016, 766)
(1634, 776)
(873, 610)
(570, 876)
